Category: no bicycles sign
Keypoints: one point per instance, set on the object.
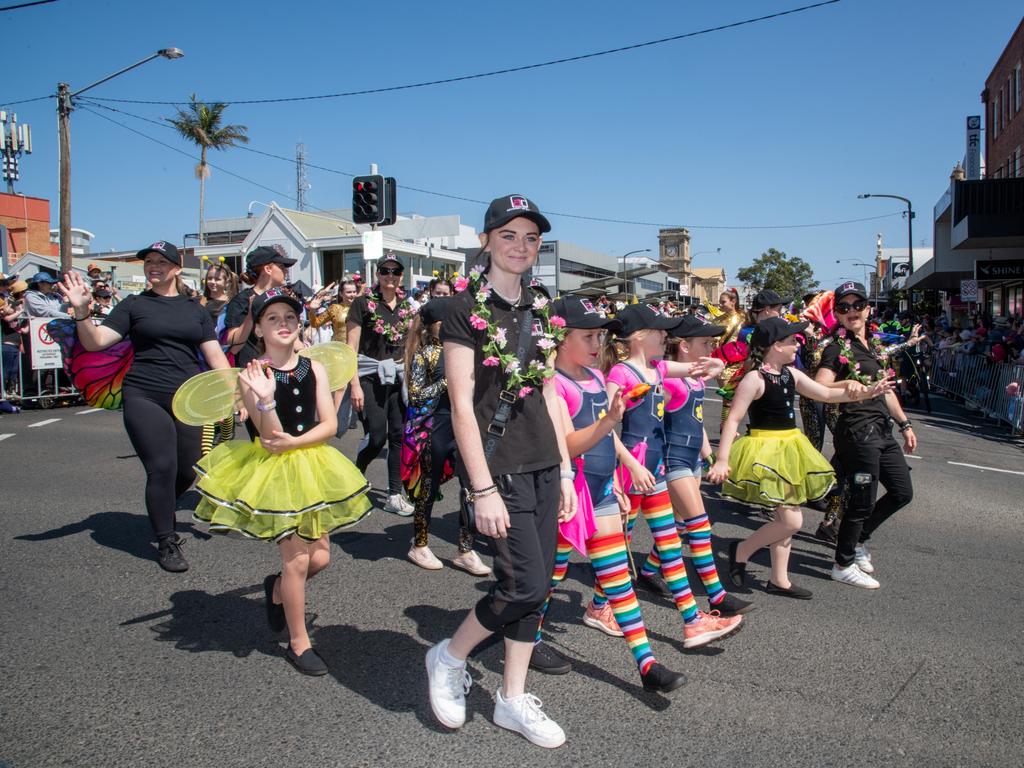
(45, 351)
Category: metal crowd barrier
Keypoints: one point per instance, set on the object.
(981, 383)
(43, 387)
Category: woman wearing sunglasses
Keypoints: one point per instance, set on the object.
(866, 451)
(376, 327)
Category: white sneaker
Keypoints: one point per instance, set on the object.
(399, 505)
(523, 714)
(448, 688)
(854, 576)
(862, 558)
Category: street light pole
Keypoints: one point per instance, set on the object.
(65, 105)
(910, 225)
(641, 250)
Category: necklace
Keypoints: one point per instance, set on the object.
(512, 302)
(874, 348)
(396, 332)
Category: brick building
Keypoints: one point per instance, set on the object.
(1003, 98)
(24, 227)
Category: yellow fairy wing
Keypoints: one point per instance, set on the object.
(339, 359)
(207, 397)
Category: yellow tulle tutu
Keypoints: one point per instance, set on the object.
(307, 491)
(772, 467)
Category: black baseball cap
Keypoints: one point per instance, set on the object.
(503, 209)
(639, 317)
(850, 288)
(690, 326)
(274, 296)
(392, 258)
(436, 310)
(168, 250)
(768, 298)
(773, 329)
(264, 254)
(580, 312)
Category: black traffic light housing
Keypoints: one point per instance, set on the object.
(373, 200)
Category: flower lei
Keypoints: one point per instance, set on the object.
(874, 346)
(392, 333)
(496, 352)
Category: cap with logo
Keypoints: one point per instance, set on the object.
(773, 329)
(639, 317)
(850, 288)
(768, 298)
(691, 326)
(274, 296)
(579, 312)
(264, 254)
(390, 258)
(168, 250)
(503, 209)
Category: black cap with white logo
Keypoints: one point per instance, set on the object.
(266, 254)
(168, 250)
(274, 296)
(850, 288)
(503, 209)
(773, 329)
(640, 317)
(580, 312)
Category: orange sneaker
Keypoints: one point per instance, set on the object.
(709, 627)
(602, 619)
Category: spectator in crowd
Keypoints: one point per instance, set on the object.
(40, 298)
(102, 299)
(14, 324)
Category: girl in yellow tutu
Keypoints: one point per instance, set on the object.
(287, 486)
(775, 465)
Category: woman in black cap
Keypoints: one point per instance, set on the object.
(265, 268)
(498, 341)
(377, 324)
(169, 331)
(775, 466)
(428, 445)
(866, 452)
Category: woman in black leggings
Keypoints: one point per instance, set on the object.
(169, 330)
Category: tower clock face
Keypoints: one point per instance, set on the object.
(671, 250)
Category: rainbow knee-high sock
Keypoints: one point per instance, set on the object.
(698, 531)
(657, 511)
(611, 567)
(564, 549)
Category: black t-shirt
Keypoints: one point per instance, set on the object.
(214, 306)
(529, 443)
(166, 332)
(237, 311)
(863, 412)
(371, 343)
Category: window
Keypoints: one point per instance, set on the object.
(1018, 76)
(649, 285)
(996, 112)
(1015, 300)
(1017, 169)
(583, 270)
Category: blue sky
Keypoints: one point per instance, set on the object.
(780, 122)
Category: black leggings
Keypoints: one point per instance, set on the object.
(439, 448)
(167, 448)
(382, 419)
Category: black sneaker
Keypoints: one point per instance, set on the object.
(737, 570)
(169, 554)
(547, 660)
(732, 605)
(662, 679)
(275, 611)
(653, 583)
(308, 662)
(793, 591)
(827, 533)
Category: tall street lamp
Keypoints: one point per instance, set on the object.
(910, 225)
(642, 250)
(64, 107)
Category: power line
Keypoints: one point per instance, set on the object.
(581, 217)
(26, 5)
(27, 101)
(506, 71)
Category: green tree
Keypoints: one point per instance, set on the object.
(789, 276)
(201, 124)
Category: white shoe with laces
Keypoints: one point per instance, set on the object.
(399, 505)
(862, 558)
(448, 688)
(854, 576)
(523, 714)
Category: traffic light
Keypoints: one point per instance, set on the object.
(373, 200)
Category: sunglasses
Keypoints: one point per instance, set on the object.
(856, 306)
(396, 271)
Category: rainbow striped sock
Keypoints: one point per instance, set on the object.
(611, 568)
(600, 598)
(657, 511)
(652, 564)
(562, 553)
(635, 502)
(698, 531)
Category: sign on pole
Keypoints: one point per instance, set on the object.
(373, 245)
(969, 290)
(973, 156)
(45, 351)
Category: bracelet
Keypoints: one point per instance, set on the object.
(904, 425)
(472, 495)
(266, 408)
(80, 319)
(567, 474)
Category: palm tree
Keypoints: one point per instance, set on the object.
(200, 123)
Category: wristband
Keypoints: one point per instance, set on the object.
(266, 408)
(472, 495)
(904, 425)
(567, 474)
(80, 319)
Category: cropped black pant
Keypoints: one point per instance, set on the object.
(382, 419)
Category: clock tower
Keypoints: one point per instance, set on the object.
(674, 253)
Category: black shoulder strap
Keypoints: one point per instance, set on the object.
(499, 422)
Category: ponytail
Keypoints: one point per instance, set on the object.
(612, 353)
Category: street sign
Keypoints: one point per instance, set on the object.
(45, 351)
(1008, 269)
(969, 290)
(373, 245)
(973, 156)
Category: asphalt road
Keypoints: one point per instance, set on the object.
(108, 661)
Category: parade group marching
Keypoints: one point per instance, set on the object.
(561, 423)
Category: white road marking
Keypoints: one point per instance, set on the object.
(5, 436)
(42, 423)
(989, 469)
(912, 456)
(712, 400)
(90, 410)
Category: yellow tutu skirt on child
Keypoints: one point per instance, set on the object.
(307, 491)
(772, 467)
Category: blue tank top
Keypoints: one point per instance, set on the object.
(685, 426)
(646, 422)
(599, 462)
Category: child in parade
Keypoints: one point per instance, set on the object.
(643, 330)
(287, 486)
(775, 466)
(428, 445)
(588, 420)
(686, 447)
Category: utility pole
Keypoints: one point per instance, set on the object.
(64, 108)
(301, 183)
